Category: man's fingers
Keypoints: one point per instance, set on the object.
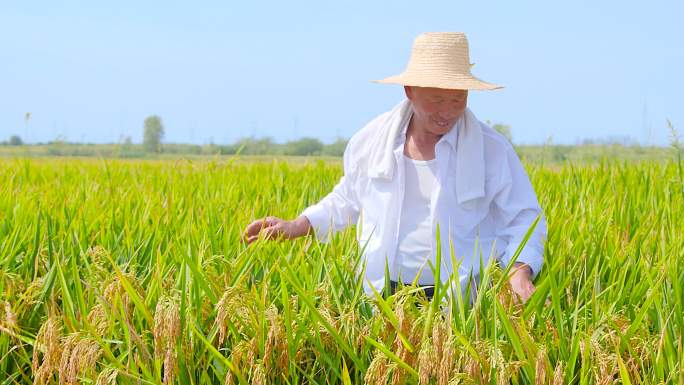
(256, 226)
(270, 232)
(527, 293)
(517, 298)
(255, 237)
(525, 296)
(273, 232)
(523, 293)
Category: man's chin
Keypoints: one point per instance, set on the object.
(441, 129)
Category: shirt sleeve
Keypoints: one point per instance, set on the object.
(518, 209)
(338, 209)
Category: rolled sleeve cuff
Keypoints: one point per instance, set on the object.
(529, 256)
(319, 218)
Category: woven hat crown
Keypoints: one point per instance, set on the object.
(441, 60)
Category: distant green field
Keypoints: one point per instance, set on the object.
(541, 154)
(132, 272)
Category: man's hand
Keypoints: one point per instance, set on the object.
(520, 279)
(276, 228)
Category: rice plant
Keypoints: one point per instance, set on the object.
(132, 272)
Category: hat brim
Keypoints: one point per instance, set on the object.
(445, 82)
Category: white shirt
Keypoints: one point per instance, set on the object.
(492, 225)
(415, 224)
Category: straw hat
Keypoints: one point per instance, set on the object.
(440, 60)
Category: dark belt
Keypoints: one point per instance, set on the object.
(429, 290)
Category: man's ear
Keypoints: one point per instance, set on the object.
(409, 92)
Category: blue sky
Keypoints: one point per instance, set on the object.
(225, 70)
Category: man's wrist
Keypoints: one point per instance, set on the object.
(520, 267)
(302, 225)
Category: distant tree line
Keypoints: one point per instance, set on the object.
(260, 146)
(153, 136)
(14, 140)
(246, 146)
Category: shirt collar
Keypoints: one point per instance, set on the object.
(451, 137)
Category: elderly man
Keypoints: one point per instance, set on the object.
(429, 165)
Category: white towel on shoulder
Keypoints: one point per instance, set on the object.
(470, 167)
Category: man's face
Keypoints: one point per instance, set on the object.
(436, 109)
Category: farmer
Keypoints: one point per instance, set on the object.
(429, 165)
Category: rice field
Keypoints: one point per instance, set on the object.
(132, 272)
